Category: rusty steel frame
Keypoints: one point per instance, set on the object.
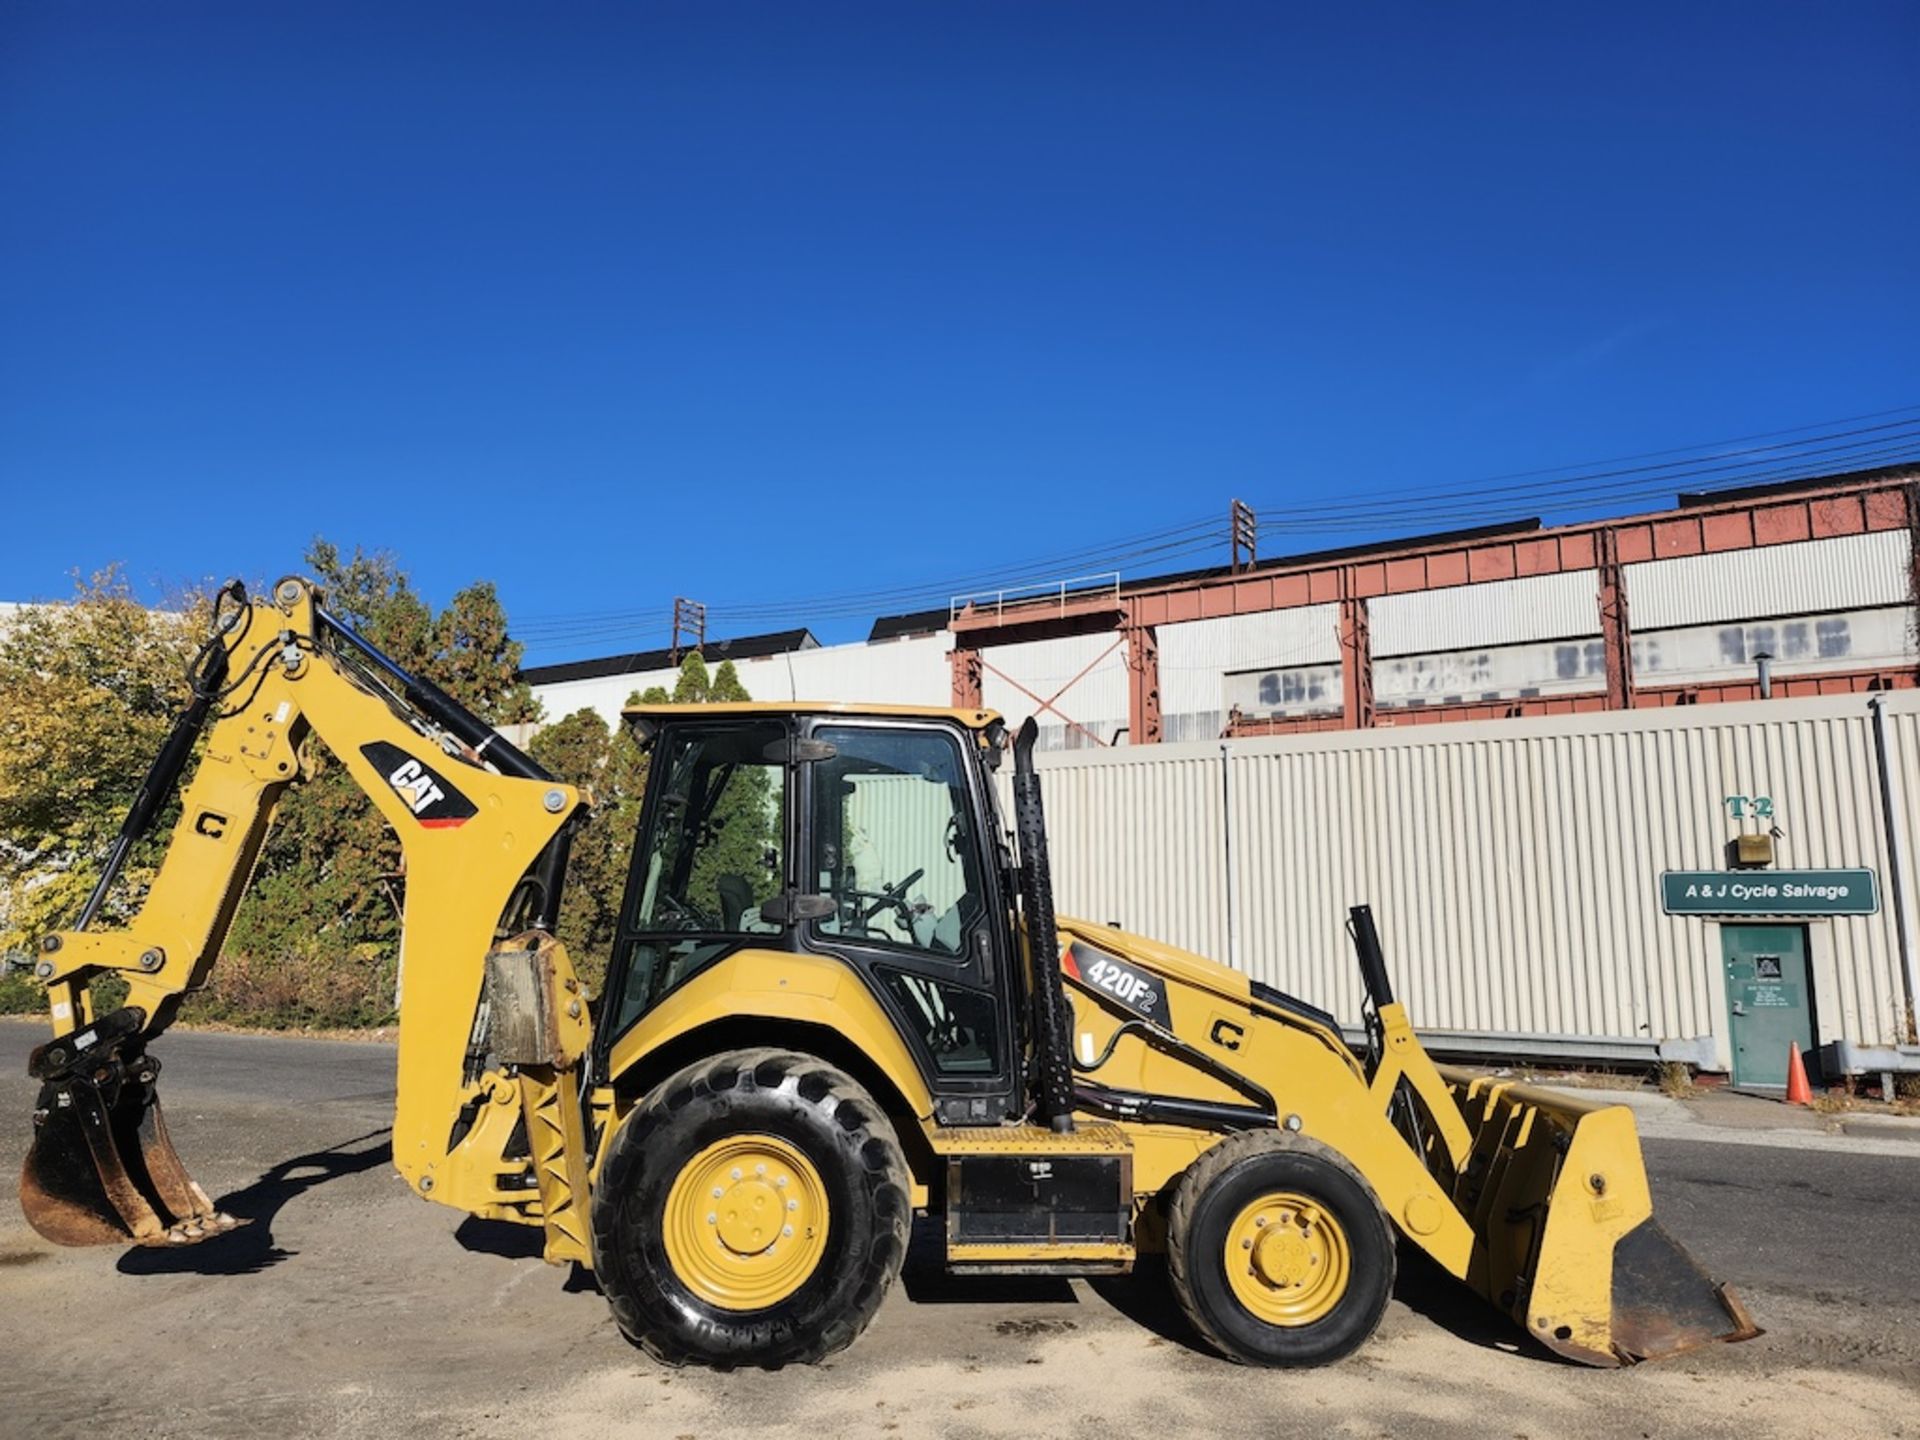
(1846, 507)
(1048, 704)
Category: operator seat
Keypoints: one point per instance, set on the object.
(736, 896)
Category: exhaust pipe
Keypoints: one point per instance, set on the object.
(1051, 1017)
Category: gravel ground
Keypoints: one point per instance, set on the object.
(350, 1307)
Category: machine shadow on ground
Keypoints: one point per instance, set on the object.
(251, 1247)
(1434, 1295)
(927, 1281)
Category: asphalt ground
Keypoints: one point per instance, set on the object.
(349, 1307)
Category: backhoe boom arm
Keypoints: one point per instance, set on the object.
(483, 830)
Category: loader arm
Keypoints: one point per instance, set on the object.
(492, 1020)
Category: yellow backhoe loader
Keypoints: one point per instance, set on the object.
(839, 996)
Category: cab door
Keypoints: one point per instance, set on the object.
(897, 851)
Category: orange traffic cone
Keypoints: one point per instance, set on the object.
(1798, 1091)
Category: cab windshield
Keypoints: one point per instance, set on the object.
(713, 852)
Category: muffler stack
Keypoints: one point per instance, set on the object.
(101, 1169)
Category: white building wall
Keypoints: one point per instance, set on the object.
(1208, 666)
(1513, 866)
(911, 671)
(1087, 674)
(606, 694)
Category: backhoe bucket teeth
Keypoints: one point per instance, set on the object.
(1557, 1194)
(101, 1169)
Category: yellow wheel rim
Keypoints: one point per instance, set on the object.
(746, 1222)
(1288, 1259)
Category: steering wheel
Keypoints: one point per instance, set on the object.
(684, 915)
(894, 895)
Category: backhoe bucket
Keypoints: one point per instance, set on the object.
(1557, 1194)
(101, 1170)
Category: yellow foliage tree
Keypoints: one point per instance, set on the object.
(88, 691)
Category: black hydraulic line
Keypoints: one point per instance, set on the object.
(441, 708)
(550, 874)
(1052, 1057)
(161, 777)
(1168, 1043)
(1170, 1109)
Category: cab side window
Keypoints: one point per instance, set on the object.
(892, 841)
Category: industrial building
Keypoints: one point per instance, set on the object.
(1239, 753)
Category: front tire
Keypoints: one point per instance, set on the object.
(752, 1210)
(1278, 1250)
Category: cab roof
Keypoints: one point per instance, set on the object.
(973, 719)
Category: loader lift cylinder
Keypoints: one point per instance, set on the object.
(1050, 1013)
(1373, 961)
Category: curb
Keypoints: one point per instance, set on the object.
(1884, 1127)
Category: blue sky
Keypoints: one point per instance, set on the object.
(760, 303)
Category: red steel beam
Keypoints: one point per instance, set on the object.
(1616, 629)
(1143, 685)
(965, 665)
(1356, 666)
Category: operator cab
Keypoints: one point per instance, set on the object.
(871, 835)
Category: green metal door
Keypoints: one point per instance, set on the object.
(1769, 1000)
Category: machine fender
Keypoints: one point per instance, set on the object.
(778, 985)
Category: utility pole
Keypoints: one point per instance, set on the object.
(689, 618)
(1245, 529)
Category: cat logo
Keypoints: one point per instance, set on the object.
(431, 797)
(417, 783)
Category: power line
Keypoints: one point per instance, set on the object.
(1706, 467)
(1907, 429)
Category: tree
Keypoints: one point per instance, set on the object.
(88, 690)
(746, 821)
(582, 750)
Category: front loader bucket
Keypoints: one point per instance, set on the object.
(1557, 1194)
(101, 1169)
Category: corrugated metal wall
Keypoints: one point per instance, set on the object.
(1137, 839)
(1514, 866)
(1497, 612)
(1845, 573)
(898, 824)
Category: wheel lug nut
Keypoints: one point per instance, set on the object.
(712, 1219)
(736, 1172)
(786, 1230)
(717, 1192)
(759, 1169)
(793, 1204)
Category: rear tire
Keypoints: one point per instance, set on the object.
(1278, 1250)
(690, 1274)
